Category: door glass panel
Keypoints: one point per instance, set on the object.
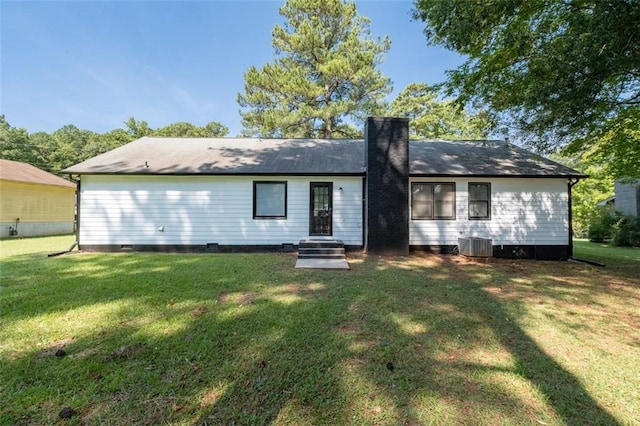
(321, 213)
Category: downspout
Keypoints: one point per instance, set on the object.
(76, 243)
(78, 188)
(364, 211)
(570, 185)
(58, 253)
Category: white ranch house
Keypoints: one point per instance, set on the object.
(384, 194)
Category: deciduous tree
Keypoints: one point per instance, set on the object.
(586, 195)
(559, 71)
(15, 143)
(69, 144)
(436, 119)
(137, 129)
(183, 129)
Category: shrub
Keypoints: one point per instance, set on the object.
(627, 232)
(602, 224)
(609, 225)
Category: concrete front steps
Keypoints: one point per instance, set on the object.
(321, 254)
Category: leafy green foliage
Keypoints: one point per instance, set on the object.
(609, 225)
(598, 223)
(138, 129)
(432, 118)
(182, 129)
(615, 146)
(627, 232)
(323, 78)
(586, 195)
(603, 223)
(70, 145)
(15, 143)
(559, 71)
(106, 142)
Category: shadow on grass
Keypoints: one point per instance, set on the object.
(249, 340)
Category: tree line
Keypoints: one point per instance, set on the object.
(430, 118)
(70, 145)
(323, 82)
(560, 77)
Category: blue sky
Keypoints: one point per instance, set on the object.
(96, 63)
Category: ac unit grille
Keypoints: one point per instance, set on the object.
(475, 247)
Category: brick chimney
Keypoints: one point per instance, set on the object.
(387, 186)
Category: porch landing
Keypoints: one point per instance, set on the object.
(321, 253)
(310, 263)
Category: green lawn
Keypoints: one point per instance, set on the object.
(247, 339)
(605, 253)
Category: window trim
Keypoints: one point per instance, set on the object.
(469, 201)
(433, 207)
(259, 182)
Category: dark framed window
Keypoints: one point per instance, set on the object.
(269, 200)
(433, 200)
(479, 201)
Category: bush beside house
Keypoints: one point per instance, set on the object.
(618, 222)
(610, 225)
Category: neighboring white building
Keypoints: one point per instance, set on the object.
(385, 194)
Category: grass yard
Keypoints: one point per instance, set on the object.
(247, 339)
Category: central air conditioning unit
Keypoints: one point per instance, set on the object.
(475, 247)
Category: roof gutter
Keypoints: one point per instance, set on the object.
(347, 174)
(487, 176)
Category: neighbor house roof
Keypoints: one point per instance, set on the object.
(214, 156)
(23, 172)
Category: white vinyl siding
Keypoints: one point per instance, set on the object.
(524, 211)
(194, 210)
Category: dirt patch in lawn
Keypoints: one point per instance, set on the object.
(199, 311)
(126, 352)
(245, 298)
(248, 297)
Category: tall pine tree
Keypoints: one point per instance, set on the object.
(324, 76)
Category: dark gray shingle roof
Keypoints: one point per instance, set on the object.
(213, 156)
(480, 158)
(150, 155)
